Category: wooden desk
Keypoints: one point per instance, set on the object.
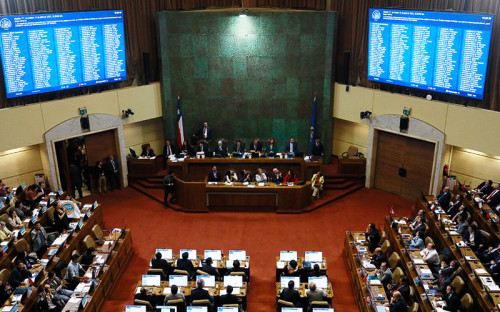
(138, 168)
(196, 170)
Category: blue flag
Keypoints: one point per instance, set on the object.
(312, 130)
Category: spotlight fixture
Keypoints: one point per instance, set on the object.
(127, 113)
(365, 115)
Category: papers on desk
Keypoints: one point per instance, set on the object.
(74, 300)
(360, 241)
(461, 244)
(60, 240)
(212, 183)
(52, 194)
(146, 157)
(27, 220)
(251, 185)
(418, 261)
(236, 291)
(87, 206)
(381, 308)
(453, 233)
(480, 271)
(261, 183)
(375, 282)
(362, 249)
(17, 298)
(425, 273)
(406, 235)
(400, 221)
(469, 258)
(488, 282)
(367, 265)
(280, 265)
(99, 259)
(52, 252)
(9, 308)
(43, 202)
(245, 183)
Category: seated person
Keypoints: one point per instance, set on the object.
(220, 149)
(14, 221)
(384, 274)
(444, 198)
(452, 299)
(398, 303)
(246, 176)
(493, 200)
(292, 269)
(231, 176)
(214, 175)
(417, 241)
(317, 272)
(454, 205)
(420, 213)
(440, 283)
(317, 148)
(448, 270)
(372, 236)
(74, 272)
(186, 148)
(314, 294)
(46, 300)
(277, 176)
(33, 196)
(431, 257)
(271, 146)
(462, 225)
(202, 147)
(260, 176)
(229, 298)
(148, 151)
(146, 295)
(494, 267)
(18, 274)
(486, 256)
(239, 147)
(256, 146)
(5, 292)
(378, 257)
(474, 239)
(291, 177)
(23, 211)
(4, 189)
(417, 226)
(317, 182)
(169, 149)
(484, 189)
(237, 268)
(57, 287)
(158, 263)
(290, 294)
(199, 293)
(5, 233)
(43, 188)
(208, 268)
(403, 287)
(185, 264)
(29, 261)
(460, 213)
(174, 295)
(87, 258)
(291, 146)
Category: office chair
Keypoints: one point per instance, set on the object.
(4, 275)
(394, 260)
(179, 303)
(396, 275)
(467, 301)
(148, 305)
(157, 272)
(202, 303)
(88, 242)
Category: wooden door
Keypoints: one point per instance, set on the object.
(98, 146)
(395, 152)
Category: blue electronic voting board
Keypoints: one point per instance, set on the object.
(435, 51)
(49, 52)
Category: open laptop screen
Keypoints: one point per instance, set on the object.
(136, 308)
(209, 280)
(178, 280)
(314, 256)
(166, 309)
(233, 280)
(214, 254)
(151, 280)
(288, 255)
(165, 253)
(237, 255)
(321, 281)
(191, 252)
(285, 279)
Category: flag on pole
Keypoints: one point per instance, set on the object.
(312, 130)
(180, 126)
(391, 211)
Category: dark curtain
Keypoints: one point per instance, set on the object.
(141, 36)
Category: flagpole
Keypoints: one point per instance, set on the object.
(312, 129)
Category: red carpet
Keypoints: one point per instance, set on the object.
(262, 235)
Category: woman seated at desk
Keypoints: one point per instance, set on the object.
(291, 177)
(260, 176)
(231, 176)
(271, 147)
(246, 176)
(14, 221)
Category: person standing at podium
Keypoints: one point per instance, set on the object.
(204, 132)
(214, 175)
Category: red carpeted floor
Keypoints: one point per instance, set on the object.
(262, 235)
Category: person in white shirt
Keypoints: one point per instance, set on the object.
(260, 176)
(231, 176)
(431, 257)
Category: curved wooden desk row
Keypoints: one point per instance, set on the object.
(192, 170)
(202, 197)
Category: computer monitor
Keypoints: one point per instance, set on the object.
(135, 308)
(314, 256)
(166, 309)
(323, 310)
(178, 280)
(214, 254)
(197, 309)
(237, 255)
(209, 280)
(227, 309)
(233, 280)
(132, 153)
(283, 309)
(165, 253)
(191, 252)
(151, 280)
(288, 255)
(83, 303)
(285, 279)
(321, 281)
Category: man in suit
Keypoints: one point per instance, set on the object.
(449, 270)
(204, 132)
(398, 303)
(39, 239)
(256, 146)
(460, 213)
(185, 264)
(455, 205)
(237, 268)
(159, 263)
(169, 187)
(174, 295)
(168, 149)
(372, 236)
(494, 267)
(484, 189)
(146, 295)
(277, 176)
(101, 177)
(290, 294)
(291, 146)
(452, 299)
(220, 149)
(314, 294)
(214, 175)
(403, 287)
(444, 198)
(490, 254)
(19, 274)
(440, 283)
(239, 147)
(462, 225)
(202, 147)
(229, 298)
(317, 148)
(317, 272)
(384, 274)
(378, 257)
(112, 169)
(493, 200)
(417, 226)
(208, 268)
(474, 239)
(148, 152)
(199, 293)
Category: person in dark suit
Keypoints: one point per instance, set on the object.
(158, 263)
(490, 254)
(378, 257)
(185, 264)
(237, 268)
(317, 272)
(148, 151)
(146, 295)
(493, 200)
(291, 146)
(169, 187)
(214, 175)
(290, 294)
(271, 147)
(239, 147)
(494, 267)
(246, 176)
(440, 283)
(229, 298)
(76, 179)
(398, 303)
(474, 239)
(403, 287)
(199, 293)
(186, 148)
(202, 147)
(220, 149)
(317, 148)
(112, 169)
(417, 226)
(168, 149)
(208, 268)
(455, 205)
(372, 236)
(204, 132)
(451, 298)
(19, 274)
(256, 146)
(444, 198)
(101, 177)
(277, 176)
(485, 188)
(448, 270)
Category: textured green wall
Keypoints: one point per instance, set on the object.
(248, 76)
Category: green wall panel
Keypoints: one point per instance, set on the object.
(248, 77)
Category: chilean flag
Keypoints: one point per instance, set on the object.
(180, 126)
